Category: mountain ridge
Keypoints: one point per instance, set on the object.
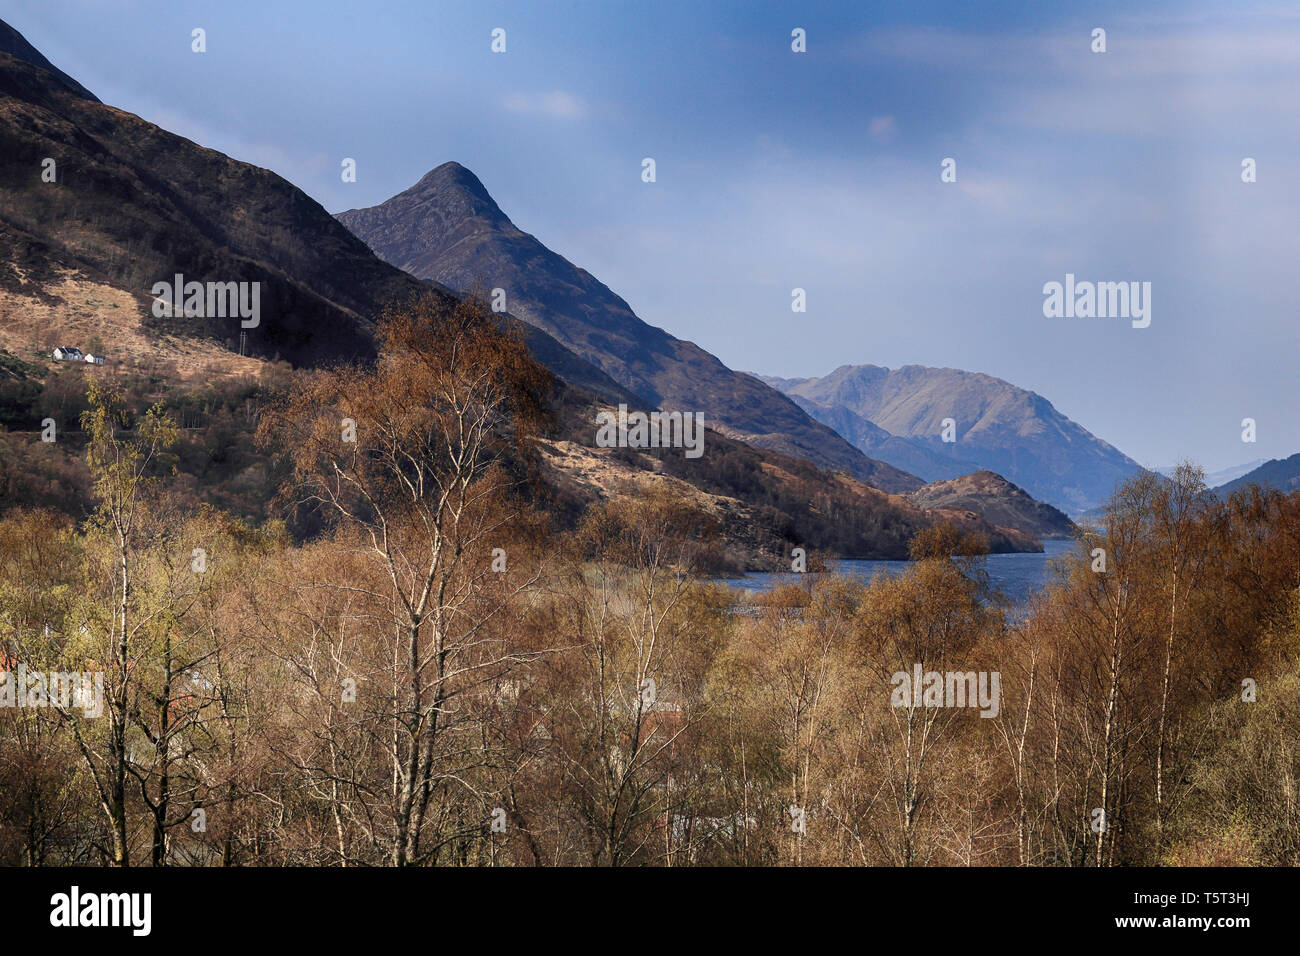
(1280, 473)
(447, 228)
(999, 426)
(133, 204)
(15, 44)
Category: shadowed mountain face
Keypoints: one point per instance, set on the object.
(999, 427)
(875, 441)
(447, 228)
(133, 204)
(1280, 473)
(16, 45)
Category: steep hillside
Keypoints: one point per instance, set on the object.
(132, 205)
(878, 443)
(782, 500)
(15, 44)
(447, 228)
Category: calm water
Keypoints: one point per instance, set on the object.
(1017, 576)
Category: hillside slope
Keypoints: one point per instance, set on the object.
(1000, 502)
(15, 44)
(447, 228)
(133, 205)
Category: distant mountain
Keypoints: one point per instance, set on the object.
(447, 228)
(999, 427)
(1221, 477)
(1000, 502)
(133, 204)
(875, 441)
(1280, 473)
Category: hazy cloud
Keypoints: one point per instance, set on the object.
(556, 104)
(883, 128)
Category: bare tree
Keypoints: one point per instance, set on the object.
(408, 457)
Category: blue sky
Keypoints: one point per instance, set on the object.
(820, 170)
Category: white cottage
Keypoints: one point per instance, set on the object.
(67, 353)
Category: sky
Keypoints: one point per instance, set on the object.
(820, 170)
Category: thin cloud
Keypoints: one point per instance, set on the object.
(883, 128)
(556, 104)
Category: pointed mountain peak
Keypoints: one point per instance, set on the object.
(452, 187)
(16, 45)
(452, 173)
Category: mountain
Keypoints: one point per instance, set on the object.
(1280, 473)
(1214, 479)
(15, 44)
(133, 205)
(448, 229)
(878, 443)
(1000, 502)
(766, 502)
(999, 427)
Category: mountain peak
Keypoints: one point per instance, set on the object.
(454, 188)
(1000, 427)
(16, 45)
(447, 229)
(451, 173)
